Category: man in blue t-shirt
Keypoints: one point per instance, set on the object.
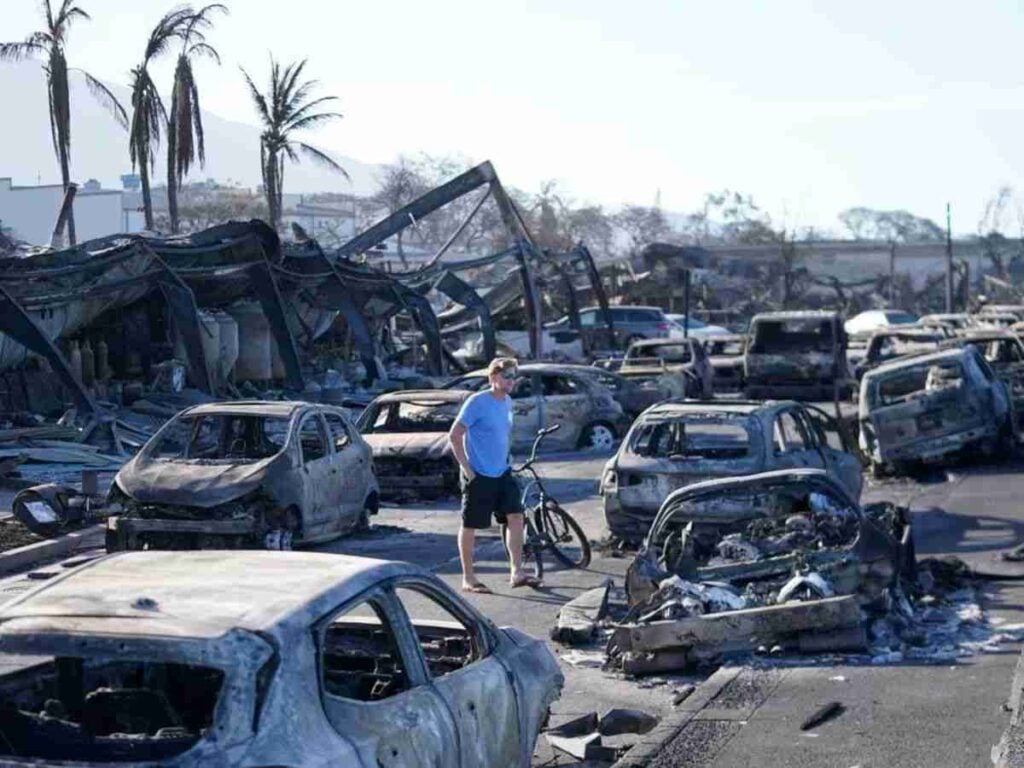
(480, 441)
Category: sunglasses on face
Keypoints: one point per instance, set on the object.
(509, 375)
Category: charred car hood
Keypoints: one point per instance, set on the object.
(192, 483)
(422, 445)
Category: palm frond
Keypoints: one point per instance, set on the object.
(197, 124)
(257, 97)
(20, 51)
(312, 121)
(106, 98)
(203, 49)
(306, 108)
(321, 158)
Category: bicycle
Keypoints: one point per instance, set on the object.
(546, 525)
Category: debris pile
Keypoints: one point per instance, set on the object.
(581, 737)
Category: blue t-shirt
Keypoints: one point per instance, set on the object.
(488, 423)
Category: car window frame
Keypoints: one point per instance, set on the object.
(479, 626)
(406, 645)
(346, 427)
(322, 427)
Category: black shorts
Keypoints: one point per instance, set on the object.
(484, 495)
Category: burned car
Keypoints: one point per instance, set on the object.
(800, 355)
(1004, 351)
(930, 406)
(780, 557)
(264, 659)
(671, 368)
(628, 393)
(677, 443)
(725, 353)
(891, 343)
(408, 434)
(547, 394)
(244, 474)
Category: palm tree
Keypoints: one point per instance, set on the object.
(185, 126)
(148, 113)
(283, 110)
(49, 43)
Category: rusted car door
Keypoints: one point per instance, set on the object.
(792, 446)
(525, 411)
(375, 690)
(350, 467)
(564, 401)
(463, 669)
(319, 493)
(841, 459)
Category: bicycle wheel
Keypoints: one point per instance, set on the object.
(567, 541)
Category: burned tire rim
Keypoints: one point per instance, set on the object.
(598, 437)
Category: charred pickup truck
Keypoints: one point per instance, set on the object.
(930, 406)
(671, 368)
(408, 434)
(783, 557)
(244, 474)
(677, 443)
(799, 355)
(257, 659)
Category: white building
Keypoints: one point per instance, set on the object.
(29, 213)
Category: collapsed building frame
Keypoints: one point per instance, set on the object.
(54, 295)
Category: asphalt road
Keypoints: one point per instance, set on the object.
(906, 714)
(898, 715)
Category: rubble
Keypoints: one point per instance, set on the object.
(822, 715)
(578, 619)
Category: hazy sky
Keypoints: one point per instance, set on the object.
(812, 107)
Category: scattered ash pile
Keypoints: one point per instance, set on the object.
(778, 564)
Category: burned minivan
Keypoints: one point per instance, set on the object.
(677, 443)
(408, 434)
(931, 406)
(244, 474)
(800, 355)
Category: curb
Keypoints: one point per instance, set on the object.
(1009, 752)
(51, 549)
(652, 743)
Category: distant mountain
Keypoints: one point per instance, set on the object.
(99, 148)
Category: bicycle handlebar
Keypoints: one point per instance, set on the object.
(541, 434)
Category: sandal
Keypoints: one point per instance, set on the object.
(479, 588)
(525, 580)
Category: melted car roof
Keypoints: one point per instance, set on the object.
(201, 594)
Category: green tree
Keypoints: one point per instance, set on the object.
(185, 121)
(49, 44)
(148, 112)
(285, 109)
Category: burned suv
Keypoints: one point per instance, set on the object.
(244, 474)
(801, 355)
(930, 406)
(677, 443)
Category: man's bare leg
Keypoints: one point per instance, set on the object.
(467, 538)
(514, 545)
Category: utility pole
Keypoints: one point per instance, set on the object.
(892, 273)
(949, 259)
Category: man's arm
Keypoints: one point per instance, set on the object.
(457, 437)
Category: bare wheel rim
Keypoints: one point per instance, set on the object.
(600, 437)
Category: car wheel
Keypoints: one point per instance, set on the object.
(597, 437)
(370, 507)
